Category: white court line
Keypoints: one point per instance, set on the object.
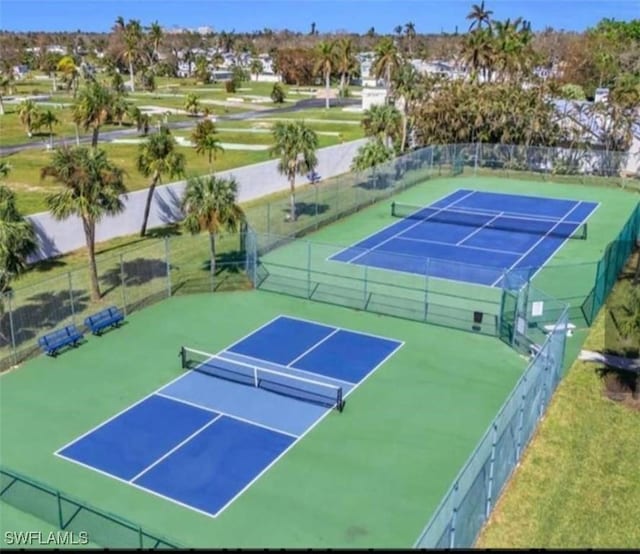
(139, 487)
(419, 222)
(303, 435)
(308, 350)
(131, 406)
(543, 237)
(429, 241)
(227, 414)
(172, 450)
(328, 258)
(563, 243)
(477, 230)
(230, 357)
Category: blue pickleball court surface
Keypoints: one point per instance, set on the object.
(473, 236)
(201, 441)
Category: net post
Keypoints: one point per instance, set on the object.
(393, 208)
(183, 357)
(256, 381)
(340, 401)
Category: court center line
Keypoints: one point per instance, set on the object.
(475, 231)
(227, 414)
(377, 231)
(545, 236)
(176, 447)
(454, 245)
(139, 487)
(230, 357)
(308, 350)
(419, 222)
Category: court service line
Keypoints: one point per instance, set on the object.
(308, 350)
(230, 357)
(395, 223)
(419, 222)
(454, 245)
(475, 231)
(176, 447)
(311, 427)
(563, 243)
(227, 414)
(545, 236)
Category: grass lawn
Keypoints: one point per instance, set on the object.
(578, 484)
(333, 113)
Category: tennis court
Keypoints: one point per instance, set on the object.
(492, 231)
(204, 438)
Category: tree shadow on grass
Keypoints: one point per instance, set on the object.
(306, 209)
(136, 272)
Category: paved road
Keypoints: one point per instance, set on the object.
(108, 136)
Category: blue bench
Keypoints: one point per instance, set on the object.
(54, 341)
(109, 317)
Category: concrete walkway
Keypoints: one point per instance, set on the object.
(626, 364)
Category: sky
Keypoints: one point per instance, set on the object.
(297, 15)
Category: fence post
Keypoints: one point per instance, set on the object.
(426, 289)
(365, 287)
(452, 532)
(492, 464)
(521, 423)
(316, 203)
(60, 520)
(73, 310)
(475, 162)
(11, 329)
(168, 265)
(268, 218)
(140, 539)
(309, 269)
(124, 285)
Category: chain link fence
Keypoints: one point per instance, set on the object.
(131, 281)
(68, 514)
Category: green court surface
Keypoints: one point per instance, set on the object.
(368, 477)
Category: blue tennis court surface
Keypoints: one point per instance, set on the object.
(473, 236)
(200, 441)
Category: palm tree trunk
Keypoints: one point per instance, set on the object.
(405, 121)
(51, 136)
(94, 137)
(292, 188)
(327, 77)
(636, 276)
(90, 237)
(342, 81)
(131, 81)
(147, 207)
(1, 106)
(212, 254)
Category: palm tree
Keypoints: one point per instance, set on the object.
(28, 114)
(5, 85)
(256, 67)
(192, 104)
(346, 62)
(370, 156)
(295, 145)
(205, 139)
(383, 122)
(155, 35)
(48, 119)
(93, 108)
(325, 64)
(216, 61)
(132, 43)
(479, 53)
(70, 73)
(410, 33)
(405, 85)
(386, 61)
(158, 156)
(479, 15)
(5, 168)
(17, 237)
(210, 204)
(92, 189)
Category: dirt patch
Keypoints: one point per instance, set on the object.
(621, 386)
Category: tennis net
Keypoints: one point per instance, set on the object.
(301, 388)
(504, 221)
